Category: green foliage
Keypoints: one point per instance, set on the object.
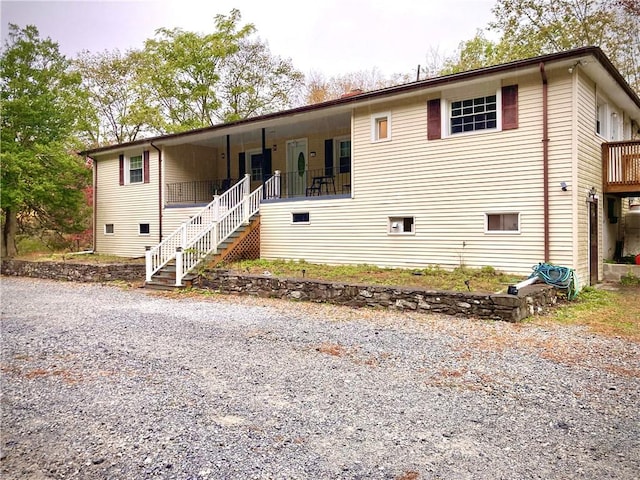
(43, 181)
(123, 108)
(183, 70)
(629, 280)
(486, 279)
(528, 28)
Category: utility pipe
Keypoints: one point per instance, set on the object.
(94, 164)
(545, 158)
(159, 191)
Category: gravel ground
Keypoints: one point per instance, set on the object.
(102, 382)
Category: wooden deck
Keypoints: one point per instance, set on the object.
(621, 167)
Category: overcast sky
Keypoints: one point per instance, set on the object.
(329, 36)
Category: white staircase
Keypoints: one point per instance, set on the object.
(205, 231)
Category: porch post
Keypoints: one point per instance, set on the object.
(276, 185)
(183, 241)
(147, 263)
(245, 198)
(178, 266)
(216, 208)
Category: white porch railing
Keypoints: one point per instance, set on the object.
(272, 186)
(205, 231)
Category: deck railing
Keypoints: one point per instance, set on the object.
(199, 191)
(621, 166)
(311, 183)
(205, 231)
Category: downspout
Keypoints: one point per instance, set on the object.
(94, 164)
(159, 191)
(545, 158)
(264, 148)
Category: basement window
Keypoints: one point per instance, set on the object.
(401, 225)
(300, 217)
(502, 223)
(108, 229)
(144, 229)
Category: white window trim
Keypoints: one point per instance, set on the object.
(127, 169)
(374, 127)
(112, 226)
(502, 232)
(400, 219)
(336, 152)
(445, 106)
(144, 234)
(308, 222)
(603, 106)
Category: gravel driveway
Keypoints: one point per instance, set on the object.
(99, 382)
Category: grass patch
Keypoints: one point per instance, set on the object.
(92, 258)
(608, 312)
(485, 280)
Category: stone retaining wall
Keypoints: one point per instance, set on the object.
(530, 300)
(534, 299)
(74, 272)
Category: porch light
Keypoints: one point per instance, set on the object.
(592, 195)
(563, 185)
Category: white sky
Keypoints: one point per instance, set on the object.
(327, 36)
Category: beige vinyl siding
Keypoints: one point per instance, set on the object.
(589, 173)
(173, 218)
(126, 206)
(447, 185)
(187, 163)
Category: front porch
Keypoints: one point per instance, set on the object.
(317, 183)
(621, 167)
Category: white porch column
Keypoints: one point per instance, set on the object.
(147, 263)
(179, 266)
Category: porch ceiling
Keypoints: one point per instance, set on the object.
(280, 128)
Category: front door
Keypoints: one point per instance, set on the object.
(297, 166)
(593, 242)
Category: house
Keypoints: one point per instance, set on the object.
(509, 166)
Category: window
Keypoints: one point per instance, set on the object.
(255, 166)
(381, 127)
(135, 169)
(144, 229)
(344, 156)
(474, 114)
(108, 229)
(601, 118)
(301, 217)
(401, 225)
(502, 222)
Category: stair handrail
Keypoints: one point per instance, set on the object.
(227, 223)
(199, 224)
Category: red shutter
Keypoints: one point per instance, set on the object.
(434, 122)
(121, 169)
(145, 166)
(510, 107)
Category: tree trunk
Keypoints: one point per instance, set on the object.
(9, 230)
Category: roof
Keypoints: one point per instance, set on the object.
(400, 89)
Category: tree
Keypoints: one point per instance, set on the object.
(183, 70)
(320, 89)
(122, 104)
(528, 28)
(42, 179)
(255, 82)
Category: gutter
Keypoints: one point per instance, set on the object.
(545, 158)
(159, 191)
